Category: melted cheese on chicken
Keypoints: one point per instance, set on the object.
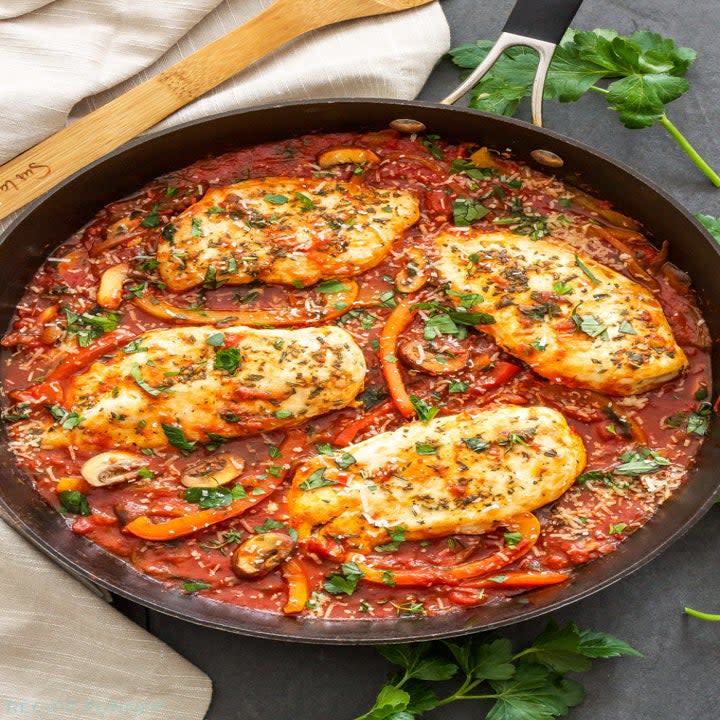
(234, 382)
(285, 230)
(573, 320)
(457, 474)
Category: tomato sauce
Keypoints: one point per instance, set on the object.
(588, 521)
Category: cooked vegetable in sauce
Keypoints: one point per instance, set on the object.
(346, 375)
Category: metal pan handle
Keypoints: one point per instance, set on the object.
(542, 19)
(537, 24)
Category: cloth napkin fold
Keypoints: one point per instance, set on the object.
(65, 652)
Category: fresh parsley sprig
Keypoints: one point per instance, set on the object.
(712, 224)
(645, 72)
(527, 685)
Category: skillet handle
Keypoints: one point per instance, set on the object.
(542, 19)
(537, 24)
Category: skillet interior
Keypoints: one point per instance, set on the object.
(72, 204)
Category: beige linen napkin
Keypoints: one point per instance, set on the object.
(67, 654)
(64, 652)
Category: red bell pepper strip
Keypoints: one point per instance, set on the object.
(518, 579)
(525, 523)
(348, 433)
(50, 390)
(502, 372)
(143, 527)
(397, 321)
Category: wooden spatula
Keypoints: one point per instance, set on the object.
(35, 171)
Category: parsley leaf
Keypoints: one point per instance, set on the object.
(316, 480)
(344, 582)
(424, 411)
(467, 211)
(712, 224)
(73, 501)
(644, 72)
(176, 437)
(228, 359)
(89, 326)
(526, 685)
(212, 497)
(331, 286)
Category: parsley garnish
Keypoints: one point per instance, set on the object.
(316, 480)
(90, 326)
(346, 582)
(560, 288)
(276, 199)
(640, 462)
(331, 286)
(424, 411)
(176, 437)
(458, 386)
(228, 359)
(192, 586)
(68, 420)
(586, 270)
(467, 211)
(476, 444)
(73, 501)
(645, 72)
(152, 219)
(526, 685)
(212, 497)
(397, 535)
(137, 377)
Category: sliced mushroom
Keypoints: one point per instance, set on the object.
(407, 125)
(433, 362)
(414, 275)
(112, 467)
(213, 472)
(109, 294)
(345, 155)
(260, 554)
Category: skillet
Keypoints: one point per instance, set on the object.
(53, 219)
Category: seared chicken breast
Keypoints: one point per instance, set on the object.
(457, 474)
(284, 230)
(203, 381)
(573, 320)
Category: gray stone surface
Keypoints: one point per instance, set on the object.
(678, 677)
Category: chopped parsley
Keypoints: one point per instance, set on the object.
(467, 211)
(331, 286)
(67, 420)
(316, 480)
(345, 581)
(587, 270)
(424, 411)
(73, 501)
(176, 437)
(228, 359)
(90, 326)
(213, 497)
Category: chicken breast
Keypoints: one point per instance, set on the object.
(457, 474)
(573, 320)
(284, 230)
(201, 381)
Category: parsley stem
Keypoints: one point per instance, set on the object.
(702, 615)
(459, 694)
(689, 150)
(682, 141)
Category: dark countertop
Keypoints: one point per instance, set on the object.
(678, 677)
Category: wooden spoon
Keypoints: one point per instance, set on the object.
(35, 171)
